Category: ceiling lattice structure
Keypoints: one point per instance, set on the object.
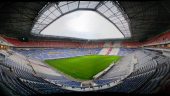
(108, 9)
(147, 18)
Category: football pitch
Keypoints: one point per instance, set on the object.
(82, 67)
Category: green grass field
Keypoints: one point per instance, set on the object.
(82, 67)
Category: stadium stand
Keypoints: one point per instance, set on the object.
(125, 51)
(53, 53)
(146, 77)
(161, 38)
(131, 44)
(151, 68)
(53, 44)
(114, 51)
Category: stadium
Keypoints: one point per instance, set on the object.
(48, 48)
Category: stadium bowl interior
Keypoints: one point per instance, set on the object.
(48, 48)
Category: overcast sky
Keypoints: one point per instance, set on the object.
(83, 24)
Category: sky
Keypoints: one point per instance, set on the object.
(83, 24)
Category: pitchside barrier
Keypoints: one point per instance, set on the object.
(104, 71)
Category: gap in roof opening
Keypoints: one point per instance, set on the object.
(83, 24)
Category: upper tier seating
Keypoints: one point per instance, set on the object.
(54, 44)
(158, 39)
(125, 51)
(53, 53)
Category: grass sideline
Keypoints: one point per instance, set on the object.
(82, 67)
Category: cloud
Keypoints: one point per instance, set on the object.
(83, 24)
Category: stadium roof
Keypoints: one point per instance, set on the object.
(108, 9)
(145, 19)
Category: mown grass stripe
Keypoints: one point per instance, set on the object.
(82, 67)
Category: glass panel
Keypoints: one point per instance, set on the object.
(56, 13)
(118, 14)
(73, 5)
(116, 21)
(93, 4)
(52, 8)
(68, 2)
(64, 9)
(113, 18)
(102, 9)
(43, 26)
(108, 13)
(114, 9)
(52, 16)
(109, 4)
(125, 22)
(84, 4)
(42, 16)
(40, 20)
(62, 3)
(47, 19)
(47, 13)
(122, 18)
(45, 22)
